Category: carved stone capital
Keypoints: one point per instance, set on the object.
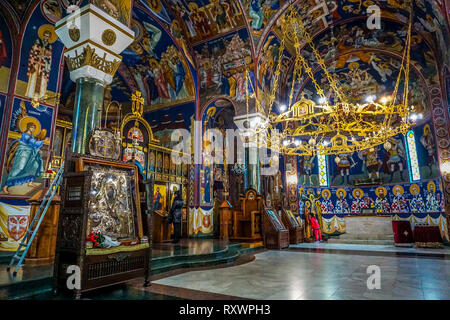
(93, 43)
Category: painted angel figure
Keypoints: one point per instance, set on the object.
(25, 153)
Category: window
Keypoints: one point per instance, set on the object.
(323, 170)
(413, 161)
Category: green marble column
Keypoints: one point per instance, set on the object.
(87, 111)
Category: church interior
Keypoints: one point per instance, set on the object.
(224, 149)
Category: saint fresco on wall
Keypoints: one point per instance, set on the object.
(40, 62)
(25, 160)
(40, 59)
(421, 197)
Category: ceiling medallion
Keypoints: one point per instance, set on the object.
(109, 37)
(74, 33)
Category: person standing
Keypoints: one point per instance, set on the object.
(175, 216)
(316, 228)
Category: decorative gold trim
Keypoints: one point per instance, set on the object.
(98, 16)
(94, 44)
(109, 37)
(89, 58)
(64, 124)
(102, 251)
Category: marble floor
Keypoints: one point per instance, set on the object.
(375, 249)
(289, 275)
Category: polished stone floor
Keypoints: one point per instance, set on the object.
(370, 249)
(307, 275)
(188, 247)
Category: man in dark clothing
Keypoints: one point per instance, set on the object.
(175, 216)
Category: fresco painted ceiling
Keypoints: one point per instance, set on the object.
(175, 36)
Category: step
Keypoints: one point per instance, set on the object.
(24, 289)
(358, 241)
(366, 236)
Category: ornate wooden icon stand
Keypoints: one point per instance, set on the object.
(100, 195)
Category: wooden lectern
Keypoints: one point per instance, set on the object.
(275, 234)
(295, 230)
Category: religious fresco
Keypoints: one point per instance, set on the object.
(421, 202)
(163, 122)
(268, 64)
(14, 221)
(429, 19)
(51, 10)
(260, 13)
(376, 164)
(5, 56)
(155, 66)
(40, 59)
(207, 166)
(118, 9)
(222, 64)
(367, 74)
(205, 19)
(27, 151)
(421, 197)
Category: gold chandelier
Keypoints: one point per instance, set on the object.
(335, 125)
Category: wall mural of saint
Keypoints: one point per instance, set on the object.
(40, 62)
(25, 156)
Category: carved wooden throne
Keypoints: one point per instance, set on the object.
(247, 222)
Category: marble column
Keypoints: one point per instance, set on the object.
(248, 125)
(93, 41)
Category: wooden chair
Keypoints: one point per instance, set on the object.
(275, 234)
(295, 229)
(247, 222)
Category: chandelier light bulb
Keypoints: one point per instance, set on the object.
(312, 141)
(283, 108)
(322, 100)
(371, 98)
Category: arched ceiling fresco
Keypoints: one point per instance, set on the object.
(175, 36)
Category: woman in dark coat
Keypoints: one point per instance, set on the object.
(175, 215)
